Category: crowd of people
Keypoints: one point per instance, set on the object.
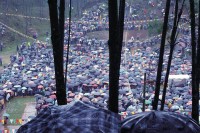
(2, 30)
(31, 71)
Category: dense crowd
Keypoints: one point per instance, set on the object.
(31, 70)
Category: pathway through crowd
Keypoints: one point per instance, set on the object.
(29, 112)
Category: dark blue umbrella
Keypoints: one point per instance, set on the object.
(2, 92)
(25, 84)
(159, 122)
(47, 93)
(32, 84)
(9, 86)
(78, 117)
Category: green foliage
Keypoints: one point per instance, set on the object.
(155, 27)
(36, 8)
(196, 6)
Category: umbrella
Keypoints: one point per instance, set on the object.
(2, 92)
(147, 102)
(69, 99)
(29, 89)
(189, 103)
(32, 84)
(6, 115)
(96, 93)
(17, 86)
(9, 91)
(9, 86)
(71, 95)
(25, 84)
(40, 101)
(85, 99)
(24, 88)
(38, 95)
(71, 118)
(159, 122)
(47, 93)
(30, 117)
(87, 94)
(53, 92)
(52, 96)
(49, 100)
(44, 106)
(1, 97)
(38, 106)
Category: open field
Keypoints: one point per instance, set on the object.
(15, 107)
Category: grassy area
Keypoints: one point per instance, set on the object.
(5, 54)
(23, 25)
(17, 105)
(12, 39)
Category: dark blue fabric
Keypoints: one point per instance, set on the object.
(159, 122)
(77, 118)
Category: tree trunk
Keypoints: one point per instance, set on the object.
(198, 62)
(173, 38)
(195, 92)
(57, 48)
(115, 46)
(166, 77)
(162, 48)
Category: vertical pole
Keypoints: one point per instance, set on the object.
(56, 37)
(195, 92)
(197, 59)
(113, 80)
(116, 25)
(144, 91)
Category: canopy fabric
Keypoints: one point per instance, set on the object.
(159, 122)
(75, 117)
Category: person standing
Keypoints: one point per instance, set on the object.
(23, 92)
(1, 46)
(1, 63)
(17, 48)
(5, 120)
(8, 97)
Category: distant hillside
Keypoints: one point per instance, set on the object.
(34, 8)
(28, 26)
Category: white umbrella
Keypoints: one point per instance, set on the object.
(24, 88)
(17, 86)
(175, 107)
(15, 65)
